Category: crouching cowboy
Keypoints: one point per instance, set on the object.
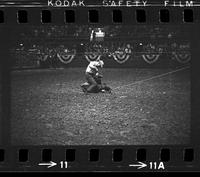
(91, 74)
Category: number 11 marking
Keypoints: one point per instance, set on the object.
(63, 164)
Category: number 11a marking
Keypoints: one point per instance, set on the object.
(63, 164)
(157, 166)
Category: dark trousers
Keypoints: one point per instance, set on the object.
(93, 84)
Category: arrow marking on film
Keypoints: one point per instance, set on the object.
(140, 165)
(49, 165)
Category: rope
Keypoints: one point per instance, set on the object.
(154, 77)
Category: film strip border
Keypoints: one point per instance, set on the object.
(100, 158)
(96, 16)
(125, 158)
(96, 3)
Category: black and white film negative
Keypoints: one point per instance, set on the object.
(99, 85)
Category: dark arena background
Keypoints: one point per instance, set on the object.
(147, 67)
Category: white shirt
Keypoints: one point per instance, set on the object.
(92, 67)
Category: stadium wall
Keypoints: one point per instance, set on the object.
(24, 61)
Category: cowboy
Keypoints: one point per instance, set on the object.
(91, 74)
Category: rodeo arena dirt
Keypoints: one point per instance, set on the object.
(146, 67)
